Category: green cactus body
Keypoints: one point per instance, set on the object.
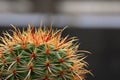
(27, 57)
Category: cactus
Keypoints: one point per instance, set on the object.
(40, 54)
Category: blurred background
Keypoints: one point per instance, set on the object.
(95, 22)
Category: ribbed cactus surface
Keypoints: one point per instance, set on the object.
(40, 54)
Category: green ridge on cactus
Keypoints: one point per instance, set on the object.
(36, 60)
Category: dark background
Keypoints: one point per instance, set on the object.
(104, 44)
(104, 62)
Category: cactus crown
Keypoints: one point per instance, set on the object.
(40, 54)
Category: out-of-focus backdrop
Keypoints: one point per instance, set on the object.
(95, 22)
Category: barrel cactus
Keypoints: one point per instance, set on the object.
(40, 54)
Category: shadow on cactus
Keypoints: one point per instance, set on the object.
(40, 54)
